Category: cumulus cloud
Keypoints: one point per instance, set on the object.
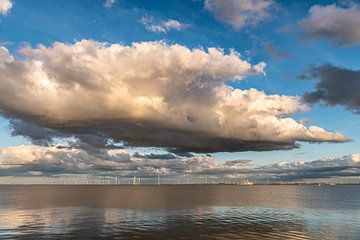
(346, 166)
(336, 24)
(59, 160)
(24, 160)
(239, 13)
(162, 26)
(5, 6)
(335, 86)
(148, 94)
(109, 3)
(56, 160)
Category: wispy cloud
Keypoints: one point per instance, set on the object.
(162, 26)
(273, 51)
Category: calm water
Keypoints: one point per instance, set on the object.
(180, 212)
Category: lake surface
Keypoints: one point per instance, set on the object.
(180, 212)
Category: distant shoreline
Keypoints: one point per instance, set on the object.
(190, 184)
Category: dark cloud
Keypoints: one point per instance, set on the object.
(335, 86)
(38, 135)
(95, 136)
(154, 156)
(90, 140)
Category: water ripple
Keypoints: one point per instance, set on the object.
(199, 221)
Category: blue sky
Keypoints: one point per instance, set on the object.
(277, 39)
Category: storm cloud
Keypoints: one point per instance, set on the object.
(148, 94)
(335, 86)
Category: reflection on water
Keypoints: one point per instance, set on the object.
(205, 212)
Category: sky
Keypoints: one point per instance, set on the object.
(266, 90)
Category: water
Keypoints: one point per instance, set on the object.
(180, 212)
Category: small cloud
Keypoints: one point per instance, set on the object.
(162, 26)
(260, 68)
(5, 6)
(239, 13)
(173, 24)
(336, 24)
(109, 3)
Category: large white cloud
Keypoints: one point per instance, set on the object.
(5, 6)
(338, 25)
(150, 94)
(239, 13)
